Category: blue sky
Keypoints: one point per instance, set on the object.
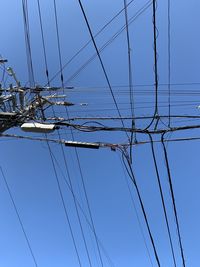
(27, 164)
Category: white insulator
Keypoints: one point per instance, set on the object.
(36, 127)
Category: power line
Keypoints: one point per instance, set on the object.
(162, 198)
(173, 198)
(130, 172)
(101, 49)
(130, 75)
(155, 63)
(101, 62)
(60, 61)
(43, 42)
(83, 212)
(136, 212)
(63, 154)
(169, 59)
(63, 204)
(28, 42)
(100, 31)
(19, 218)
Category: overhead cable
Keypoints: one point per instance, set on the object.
(173, 199)
(131, 174)
(162, 199)
(19, 218)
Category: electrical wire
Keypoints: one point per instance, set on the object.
(155, 65)
(86, 45)
(19, 218)
(136, 212)
(43, 43)
(131, 174)
(63, 204)
(101, 49)
(162, 198)
(83, 212)
(77, 156)
(101, 62)
(173, 198)
(61, 146)
(28, 43)
(169, 60)
(130, 77)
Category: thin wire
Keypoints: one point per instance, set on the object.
(83, 212)
(130, 77)
(101, 49)
(173, 198)
(131, 174)
(58, 42)
(62, 82)
(28, 43)
(169, 61)
(62, 150)
(88, 205)
(79, 51)
(75, 203)
(155, 64)
(43, 43)
(136, 212)
(19, 218)
(162, 197)
(63, 204)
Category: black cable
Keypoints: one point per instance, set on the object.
(101, 62)
(169, 60)
(155, 64)
(28, 43)
(19, 217)
(130, 74)
(75, 203)
(130, 77)
(101, 30)
(88, 205)
(63, 204)
(136, 212)
(131, 174)
(43, 43)
(82, 210)
(173, 198)
(58, 42)
(62, 82)
(101, 49)
(162, 198)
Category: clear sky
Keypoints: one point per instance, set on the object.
(27, 165)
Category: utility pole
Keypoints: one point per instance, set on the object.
(19, 105)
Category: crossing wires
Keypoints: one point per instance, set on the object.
(61, 146)
(76, 152)
(101, 62)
